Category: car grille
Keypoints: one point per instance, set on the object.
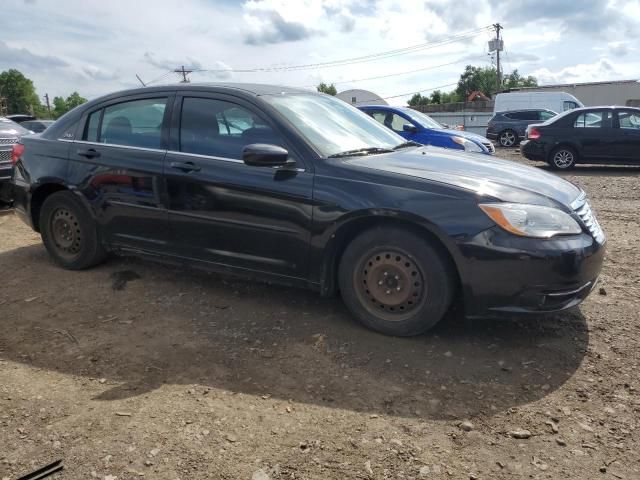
(489, 146)
(8, 141)
(588, 217)
(5, 156)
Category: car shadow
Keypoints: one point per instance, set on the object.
(141, 325)
(596, 170)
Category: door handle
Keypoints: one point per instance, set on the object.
(186, 167)
(89, 153)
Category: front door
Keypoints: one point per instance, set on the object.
(224, 211)
(124, 144)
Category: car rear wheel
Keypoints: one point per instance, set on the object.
(395, 282)
(563, 158)
(69, 233)
(508, 138)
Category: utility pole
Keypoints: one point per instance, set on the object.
(46, 97)
(499, 46)
(184, 74)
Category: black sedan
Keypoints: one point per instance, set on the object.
(607, 135)
(303, 189)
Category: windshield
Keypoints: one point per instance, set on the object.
(424, 120)
(333, 126)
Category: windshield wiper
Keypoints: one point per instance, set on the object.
(407, 144)
(361, 151)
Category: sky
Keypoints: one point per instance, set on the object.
(97, 47)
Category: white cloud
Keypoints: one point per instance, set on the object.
(98, 47)
(583, 72)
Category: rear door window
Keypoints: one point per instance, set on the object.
(137, 123)
(596, 119)
(545, 115)
(629, 120)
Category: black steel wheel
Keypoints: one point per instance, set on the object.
(69, 232)
(390, 282)
(396, 281)
(65, 232)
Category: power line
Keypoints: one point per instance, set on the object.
(361, 59)
(402, 73)
(160, 77)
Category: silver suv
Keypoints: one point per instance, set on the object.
(10, 133)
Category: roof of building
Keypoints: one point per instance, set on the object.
(576, 84)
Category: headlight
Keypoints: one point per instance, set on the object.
(531, 220)
(467, 144)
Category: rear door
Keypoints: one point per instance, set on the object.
(226, 212)
(118, 166)
(594, 134)
(627, 131)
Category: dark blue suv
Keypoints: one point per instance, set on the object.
(421, 128)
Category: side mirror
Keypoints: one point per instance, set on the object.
(407, 127)
(265, 155)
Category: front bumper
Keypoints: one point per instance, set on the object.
(506, 274)
(491, 135)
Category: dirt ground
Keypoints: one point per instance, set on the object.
(135, 370)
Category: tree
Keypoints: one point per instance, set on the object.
(329, 89)
(19, 92)
(515, 80)
(485, 79)
(62, 106)
(418, 100)
(473, 78)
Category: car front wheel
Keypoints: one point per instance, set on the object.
(69, 232)
(562, 158)
(395, 282)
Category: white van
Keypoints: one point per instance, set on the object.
(555, 101)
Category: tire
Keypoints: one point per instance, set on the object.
(395, 282)
(508, 138)
(69, 232)
(563, 158)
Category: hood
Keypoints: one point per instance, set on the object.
(486, 176)
(464, 134)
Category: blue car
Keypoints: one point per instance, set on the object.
(421, 128)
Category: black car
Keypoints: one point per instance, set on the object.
(304, 189)
(609, 135)
(37, 126)
(509, 127)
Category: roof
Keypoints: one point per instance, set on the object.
(255, 89)
(563, 85)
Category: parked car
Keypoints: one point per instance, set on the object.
(304, 189)
(421, 128)
(20, 117)
(508, 128)
(37, 126)
(609, 135)
(526, 100)
(10, 133)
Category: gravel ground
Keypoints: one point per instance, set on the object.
(135, 370)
